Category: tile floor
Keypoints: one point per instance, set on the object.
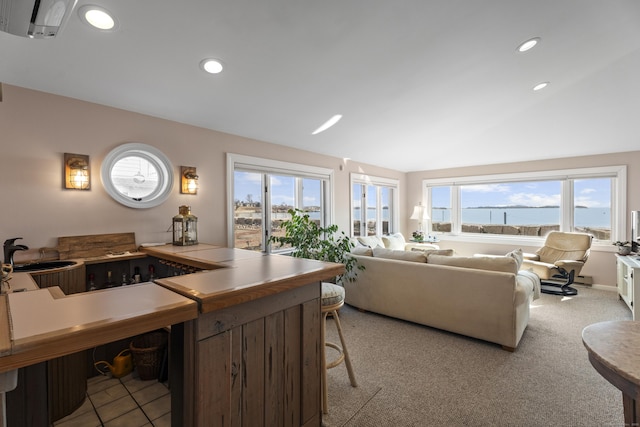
(126, 402)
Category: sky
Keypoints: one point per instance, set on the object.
(589, 192)
(282, 189)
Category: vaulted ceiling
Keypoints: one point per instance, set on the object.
(421, 84)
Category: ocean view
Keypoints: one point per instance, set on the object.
(591, 217)
(584, 217)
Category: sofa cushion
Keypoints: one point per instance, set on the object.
(362, 250)
(517, 255)
(500, 263)
(551, 255)
(371, 241)
(331, 294)
(427, 252)
(394, 241)
(399, 255)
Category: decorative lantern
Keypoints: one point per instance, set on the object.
(185, 227)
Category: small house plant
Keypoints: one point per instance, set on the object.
(308, 240)
(624, 248)
(418, 236)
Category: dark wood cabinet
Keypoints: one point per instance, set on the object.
(63, 382)
(256, 363)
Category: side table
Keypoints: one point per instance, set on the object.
(613, 349)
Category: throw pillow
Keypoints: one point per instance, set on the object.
(399, 255)
(517, 255)
(371, 241)
(428, 252)
(362, 250)
(394, 241)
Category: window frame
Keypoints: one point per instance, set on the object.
(155, 157)
(394, 214)
(276, 167)
(618, 174)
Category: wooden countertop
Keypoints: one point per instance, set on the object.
(238, 275)
(206, 257)
(42, 324)
(46, 324)
(22, 281)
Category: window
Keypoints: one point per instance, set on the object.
(374, 204)
(531, 204)
(137, 175)
(441, 209)
(529, 208)
(264, 190)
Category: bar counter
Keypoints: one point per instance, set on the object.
(253, 355)
(245, 332)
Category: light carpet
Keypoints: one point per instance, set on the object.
(413, 375)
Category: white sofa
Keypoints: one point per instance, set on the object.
(480, 297)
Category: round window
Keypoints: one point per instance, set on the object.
(137, 175)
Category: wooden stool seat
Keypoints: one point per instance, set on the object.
(332, 300)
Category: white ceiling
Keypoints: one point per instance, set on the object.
(422, 84)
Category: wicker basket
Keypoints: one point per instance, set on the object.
(148, 352)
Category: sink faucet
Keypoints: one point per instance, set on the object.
(10, 248)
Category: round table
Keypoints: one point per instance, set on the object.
(614, 351)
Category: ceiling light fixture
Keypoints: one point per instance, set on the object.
(529, 44)
(332, 121)
(212, 66)
(540, 86)
(98, 17)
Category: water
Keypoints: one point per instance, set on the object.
(591, 217)
(587, 217)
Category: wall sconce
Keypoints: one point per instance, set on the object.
(189, 183)
(77, 175)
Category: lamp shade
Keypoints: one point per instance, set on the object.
(419, 213)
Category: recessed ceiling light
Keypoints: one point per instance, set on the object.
(211, 65)
(98, 17)
(540, 86)
(529, 44)
(332, 121)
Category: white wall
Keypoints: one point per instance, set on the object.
(37, 128)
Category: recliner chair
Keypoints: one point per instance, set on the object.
(559, 261)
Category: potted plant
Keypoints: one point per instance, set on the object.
(418, 236)
(624, 248)
(308, 240)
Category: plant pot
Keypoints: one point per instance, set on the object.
(624, 250)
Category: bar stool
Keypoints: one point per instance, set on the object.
(332, 300)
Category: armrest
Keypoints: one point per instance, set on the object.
(531, 257)
(569, 265)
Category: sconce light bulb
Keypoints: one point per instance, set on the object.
(192, 186)
(79, 179)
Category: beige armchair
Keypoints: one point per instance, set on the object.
(559, 261)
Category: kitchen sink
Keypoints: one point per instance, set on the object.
(45, 265)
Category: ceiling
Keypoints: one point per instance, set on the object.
(421, 84)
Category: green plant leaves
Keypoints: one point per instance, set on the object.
(309, 240)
